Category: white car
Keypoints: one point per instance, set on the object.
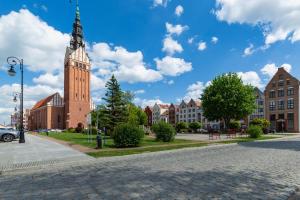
(9, 134)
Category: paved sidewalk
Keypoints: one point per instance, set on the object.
(35, 152)
(258, 170)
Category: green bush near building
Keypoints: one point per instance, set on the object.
(164, 132)
(255, 131)
(127, 135)
(181, 126)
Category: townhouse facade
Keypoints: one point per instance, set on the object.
(148, 111)
(282, 102)
(259, 112)
(159, 113)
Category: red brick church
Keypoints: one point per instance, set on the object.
(56, 112)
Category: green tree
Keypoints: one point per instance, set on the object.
(136, 115)
(115, 108)
(228, 98)
(128, 97)
(195, 126)
(180, 126)
(102, 117)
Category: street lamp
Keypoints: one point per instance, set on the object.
(13, 61)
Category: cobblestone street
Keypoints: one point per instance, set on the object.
(260, 170)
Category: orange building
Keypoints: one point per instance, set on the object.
(55, 112)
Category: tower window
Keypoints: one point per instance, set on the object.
(80, 65)
(76, 64)
(84, 66)
(76, 94)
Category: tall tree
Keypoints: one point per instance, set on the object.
(136, 116)
(228, 98)
(102, 118)
(116, 110)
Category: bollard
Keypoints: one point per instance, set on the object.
(99, 142)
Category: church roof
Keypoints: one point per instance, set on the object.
(77, 33)
(43, 102)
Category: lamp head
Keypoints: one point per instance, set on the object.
(11, 71)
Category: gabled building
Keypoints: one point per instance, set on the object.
(48, 113)
(259, 112)
(282, 102)
(173, 114)
(190, 112)
(157, 112)
(148, 111)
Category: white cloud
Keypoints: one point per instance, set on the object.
(271, 69)
(50, 80)
(171, 66)
(171, 46)
(97, 83)
(139, 92)
(31, 95)
(175, 29)
(147, 102)
(191, 40)
(251, 78)
(179, 10)
(202, 46)
(195, 90)
(170, 82)
(249, 50)
(279, 19)
(163, 3)
(127, 66)
(214, 40)
(27, 36)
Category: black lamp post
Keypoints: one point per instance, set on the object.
(13, 61)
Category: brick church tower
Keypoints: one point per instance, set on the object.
(76, 78)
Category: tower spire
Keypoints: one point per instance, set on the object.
(77, 33)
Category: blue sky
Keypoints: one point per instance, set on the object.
(160, 55)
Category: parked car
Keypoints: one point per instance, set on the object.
(8, 134)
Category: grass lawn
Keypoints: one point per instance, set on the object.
(82, 139)
(149, 144)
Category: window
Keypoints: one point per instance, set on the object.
(273, 84)
(281, 77)
(272, 94)
(290, 91)
(281, 116)
(272, 105)
(290, 104)
(288, 82)
(281, 105)
(83, 96)
(58, 119)
(281, 83)
(80, 65)
(189, 110)
(280, 93)
(290, 118)
(76, 64)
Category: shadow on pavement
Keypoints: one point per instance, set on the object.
(283, 145)
(142, 183)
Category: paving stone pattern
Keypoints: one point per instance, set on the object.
(36, 152)
(260, 170)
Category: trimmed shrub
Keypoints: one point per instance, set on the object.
(71, 130)
(194, 126)
(92, 130)
(127, 135)
(263, 123)
(235, 125)
(164, 131)
(181, 126)
(254, 131)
